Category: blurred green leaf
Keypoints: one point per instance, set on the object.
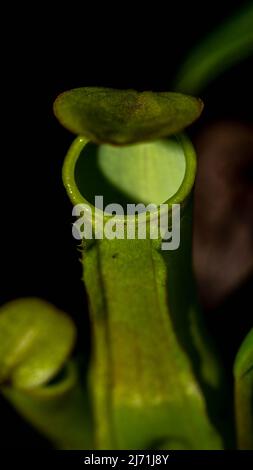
(29, 354)
(36, 375)
(243, 372)
(229, 44)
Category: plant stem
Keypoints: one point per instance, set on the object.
(141, 377)
(152, 372)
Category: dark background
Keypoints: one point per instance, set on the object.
(44, 53)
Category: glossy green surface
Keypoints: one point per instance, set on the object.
(149, 173)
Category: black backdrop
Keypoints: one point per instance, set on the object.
(43, 53)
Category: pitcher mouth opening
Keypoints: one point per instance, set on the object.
(160, 172)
